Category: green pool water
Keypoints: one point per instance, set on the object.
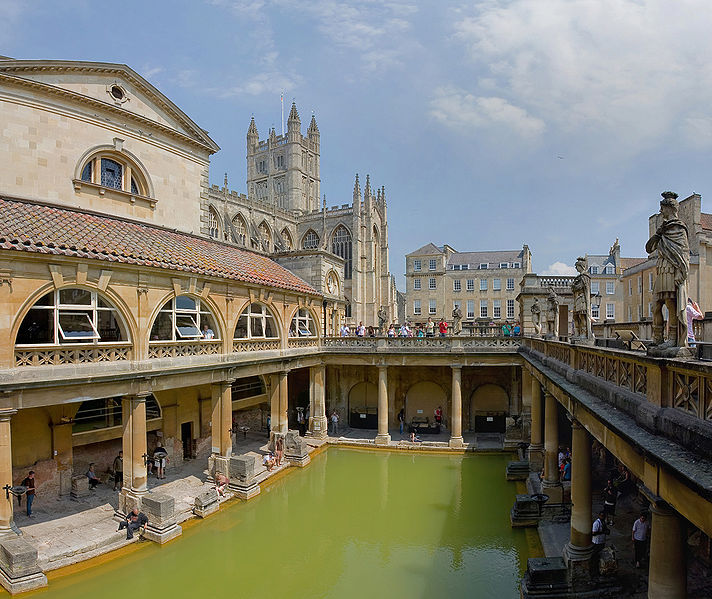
(352, 524)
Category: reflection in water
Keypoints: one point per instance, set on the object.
(356, 524)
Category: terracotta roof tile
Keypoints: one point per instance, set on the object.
(631, 262)
(45, 229)
(706, 221)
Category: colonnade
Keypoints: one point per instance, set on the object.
(667, 565)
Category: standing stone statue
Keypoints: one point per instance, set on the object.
(456, 320)
(382, 318)
(552, 315)
(581, 289)
(672, 243)
(536, 316)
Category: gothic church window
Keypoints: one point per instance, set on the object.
(311, 240)
(265, 236)
(240, 227)
(341, 246)
(287, 239)
(213, 223)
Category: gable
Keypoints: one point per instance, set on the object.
(98, 81)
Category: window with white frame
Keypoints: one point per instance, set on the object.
(650, 281)
(73, 315)
(510, 284)
(303, 324)
(484, 265)
(483, 284)
(497, 308)
(416, 307)
(431, 283)
(595, 312)
(432, 306)
(416, 284)
(610, 269)
(504, 264)
(256, 322)
(483, 308)
(496, 284)
(433, 264)
(610, 311)
(595, 287)
(593, 270)
(417, 265)
(516, 264)
(456, 304)
(465, 266)
(457, 285)
(184, 318)
(640, 284)
(470, 308)
(650, 309)
(510, 308)
(610, 287)
(470, 284)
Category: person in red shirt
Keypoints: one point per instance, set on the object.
(442, 327)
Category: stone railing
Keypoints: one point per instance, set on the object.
(293, 342)
(72, 354)
(242, 345)
(422, 344)
(643, 329)
(174, 349)
(555, 281)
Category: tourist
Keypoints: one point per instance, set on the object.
(360, 330)
(438, 413)
(506, 331)
(419, 332)
(692, 312)
(160, 457)
(221, 481)
(133, 522)
(279, 449)
(344, 331)
(610, 496)
(93, 478)
(404, 330)
(640, 538)
(517, 330)
(118, 468)
(334, 423)
(401, 419)
(371, 332)
(598, 532)
(301, 423)
(208, 333)
(414, 438)
(442, 327)
(561, 458)
(29, 483)
(391, 331)
(430, 328)
(268, 461)
(566, 475)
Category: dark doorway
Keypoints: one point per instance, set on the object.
(492, 423)
(186, 433)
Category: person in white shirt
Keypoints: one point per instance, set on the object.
(334, 422)
(641, 527)
(598, 532)
(692, 312)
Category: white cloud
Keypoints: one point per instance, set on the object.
(559, 269)
(463, 111)
(263, 83)
(625, 75)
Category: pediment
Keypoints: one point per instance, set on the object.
(115, 85)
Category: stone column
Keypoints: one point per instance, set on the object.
(383, 438)
(456, 408)
(318, 425)
(536, 448)
(283, 402)
(5, 471)
(274, 403)
(668, 568)
(221, 420)
(134, 448)
(579, 547)
(64, 455)
(551, 484)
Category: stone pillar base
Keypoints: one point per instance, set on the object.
(19, 571)
(382, 439)
(535, 453)
(318, 428)
(162, 535)
(206, 503)
(456, 442)
(298, 459)
(162, 526)
(554, 490)
(578, 562)
(128, 500)
(245, 490)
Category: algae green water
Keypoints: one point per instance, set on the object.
(351, 524)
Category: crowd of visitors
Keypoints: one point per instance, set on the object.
(428, 329)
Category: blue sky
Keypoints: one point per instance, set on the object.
(555, 123)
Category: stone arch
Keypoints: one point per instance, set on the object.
(265, 233)
(314, 317)
(363, 405)
(489, 406)
(422, 398)
(287, 239)
(342, 246)
(239, 224)
(122, 156)
(311, 240)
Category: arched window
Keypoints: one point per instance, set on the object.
(256, 322)
(303, 324)
(240, 229)
(114, 170)
(311, 240)
(265, 236)
(95, 414)
(184, 319)
(66, 316)
(341, 246)
(287, 239)
(213, 223)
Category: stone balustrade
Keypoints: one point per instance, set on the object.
(72, 354)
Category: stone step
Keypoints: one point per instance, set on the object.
(85, 550)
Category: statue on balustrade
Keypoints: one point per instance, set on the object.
(552, 315)
(581, 289)
(382, 318)
(536, 316)
(671, 241)
(456, 320)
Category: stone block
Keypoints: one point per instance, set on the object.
(80, 486)
(218, 464)
(160, 509)
(295, 449)
(525, 512)
(243, 467)
(206, 503)
(545, 577)
(607, 561)
(518, 470)
(19, 571)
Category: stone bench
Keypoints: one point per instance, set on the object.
(206, 503)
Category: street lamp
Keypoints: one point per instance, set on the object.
(596, 302)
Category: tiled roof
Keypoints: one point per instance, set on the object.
(631, 262)
(428, 249)
(45, 229)
(493, 257)
(706, 221)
